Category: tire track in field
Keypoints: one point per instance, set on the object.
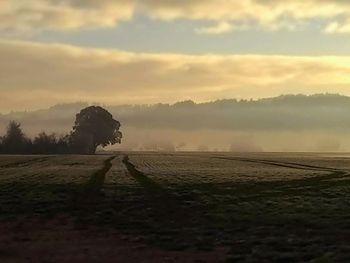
(142, 179)
(252, 191)
(26, 163)
(333, 173)
(290, 165)
(92, 188)
(22, 164)
(169, 208)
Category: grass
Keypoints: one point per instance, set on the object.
(300, 212)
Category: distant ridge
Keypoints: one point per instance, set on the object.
(285, 112)
(288, 99)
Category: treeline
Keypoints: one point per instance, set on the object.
(16, 142)
(93, 127)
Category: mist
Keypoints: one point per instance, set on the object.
(292, 123)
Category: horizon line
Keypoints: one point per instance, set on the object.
(237, 99)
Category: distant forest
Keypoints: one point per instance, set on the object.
(323, 111)
(286, 123)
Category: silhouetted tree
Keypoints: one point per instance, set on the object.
(45, 144)
(15, 142)
(94, 126)
(1, 144)
(63, 144)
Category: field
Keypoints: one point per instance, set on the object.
(175, 207)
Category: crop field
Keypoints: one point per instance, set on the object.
(175, 207)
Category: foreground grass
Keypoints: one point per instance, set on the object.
(295, 220)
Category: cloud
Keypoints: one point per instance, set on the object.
(29, 15)
(36, 75)
(222, 27)
(261, 14)
(337, 27)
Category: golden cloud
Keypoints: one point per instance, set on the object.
(35, 75)
(18, 15)
(267, 14)
(222, 27)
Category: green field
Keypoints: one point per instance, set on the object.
(175, 207)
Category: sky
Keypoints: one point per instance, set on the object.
(150, 51)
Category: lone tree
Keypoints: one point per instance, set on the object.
(94, 126)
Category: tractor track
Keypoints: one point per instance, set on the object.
(290, 165)
(92, 189)
(27, 163)
(169, 208)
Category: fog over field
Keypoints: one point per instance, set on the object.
(285, 123)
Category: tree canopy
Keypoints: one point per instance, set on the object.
(14, 140)
(95, 126)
